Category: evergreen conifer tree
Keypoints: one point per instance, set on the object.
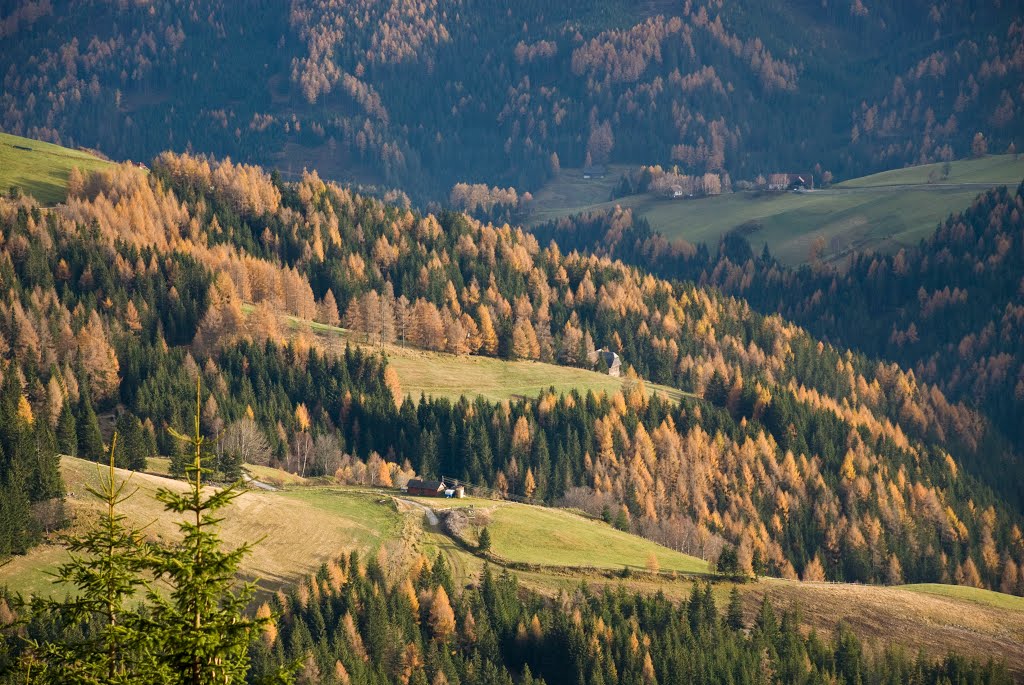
(90, 440)
(734, 615)
(106, 561)
(67, 431)
(131, 452)
(440, 574)
(45, 482)
(200, 624)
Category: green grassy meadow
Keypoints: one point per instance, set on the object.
(990, 170)
(553, 537)
(998, 600)
(880, 212)
(438, 374)
(41, 171)
(444, 375)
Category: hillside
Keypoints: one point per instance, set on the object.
(41, 169)
(801, 445)
(882, 212)
(716, 311)
(303, 526)
(441, 374)
(298, 529)
(423, 98)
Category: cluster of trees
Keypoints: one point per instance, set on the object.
(496, 205)
(802, 456)
(424, 96)
(671, 183)
(31, 490)
(977, 74)
(352, 623)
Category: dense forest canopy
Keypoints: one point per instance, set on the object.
(810, 460)
(356, 623)
(949, 308)
(423, 96)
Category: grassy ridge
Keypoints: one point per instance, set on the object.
(992, 170)
(42, 170)
(529, 534)
(439, 374)
(883, 211)
(973, 594)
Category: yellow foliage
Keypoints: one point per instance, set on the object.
(25, 411)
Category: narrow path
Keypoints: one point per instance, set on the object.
(432, 518)
(249, 480)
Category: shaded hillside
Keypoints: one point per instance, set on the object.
(424, 96)
(948, 308)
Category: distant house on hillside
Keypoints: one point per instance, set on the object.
(434, 488)
(425, 488)
(595, 171)
(801, 182)
(610, 359)
(782, 182)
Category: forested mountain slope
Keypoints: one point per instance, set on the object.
(949, 308)
(808, 459)
(422, 96)
(350, 625)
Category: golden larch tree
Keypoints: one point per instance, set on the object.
(442, 618)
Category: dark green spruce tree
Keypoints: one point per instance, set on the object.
(201, 623)
(67, 431)
(105, 573)
(90, 440)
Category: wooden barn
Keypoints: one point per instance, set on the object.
(435, 488)
(426, 488)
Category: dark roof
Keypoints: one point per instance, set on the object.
(425, 484)
(610, 358)
(595, 170)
